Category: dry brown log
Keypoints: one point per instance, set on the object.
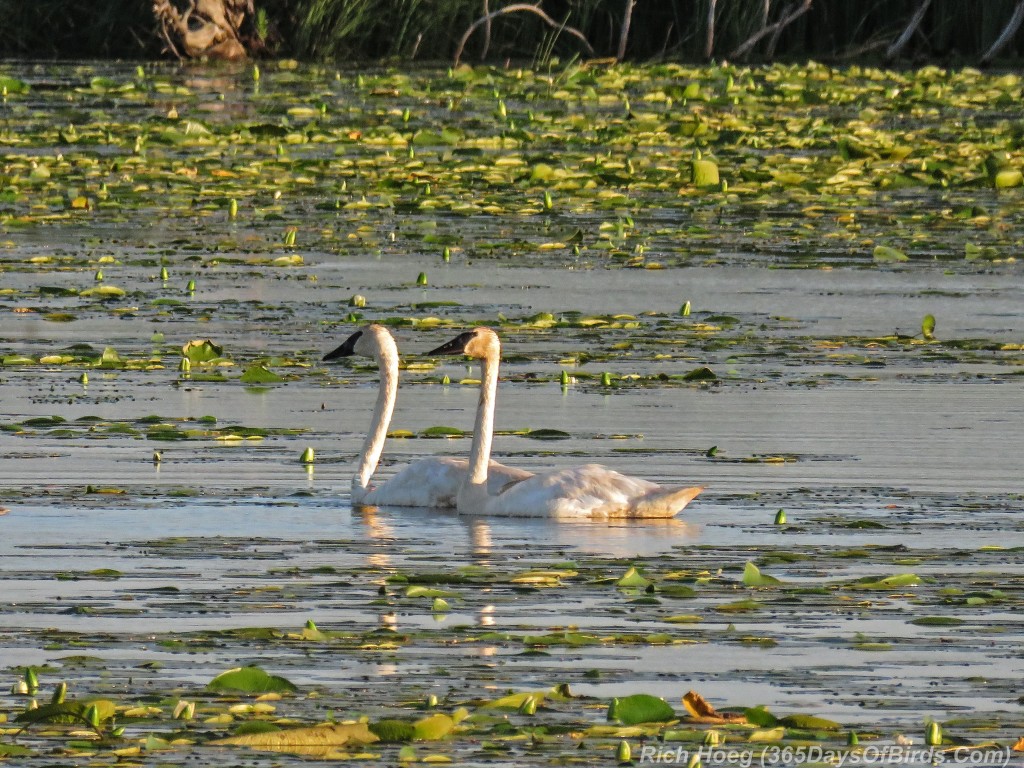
(204, 28)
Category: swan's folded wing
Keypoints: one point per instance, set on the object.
(434, 482)
(590, 491)
(661, 503)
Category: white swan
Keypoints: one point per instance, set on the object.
(588, 491)
(432, 482)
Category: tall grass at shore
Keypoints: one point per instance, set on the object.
(950, 31)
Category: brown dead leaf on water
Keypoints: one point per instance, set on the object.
(1019, 746)
(701, 711)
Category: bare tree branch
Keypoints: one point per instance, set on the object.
(709, 40)
(487, 30)
(795, 12)
(1007, 34)
(627, 19)
(514, 8)
(915, 21)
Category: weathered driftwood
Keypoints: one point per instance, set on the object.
(1016, 18)
(915, 21)
(627, 19)
(791, 14)
(519, 8)
(204, 28)
(709, 37)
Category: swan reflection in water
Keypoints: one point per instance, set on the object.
(490, 543)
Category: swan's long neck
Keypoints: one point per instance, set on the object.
(483, 429)
(373, 446)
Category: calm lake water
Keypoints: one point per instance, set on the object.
(889, 455)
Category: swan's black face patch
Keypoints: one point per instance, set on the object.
(347, 349)
(456, 346)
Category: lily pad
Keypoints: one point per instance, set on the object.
(260, 374)
(641, 708)
(250, 680)
(201, 351)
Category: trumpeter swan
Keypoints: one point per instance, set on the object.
(432, 482)
(588, 491)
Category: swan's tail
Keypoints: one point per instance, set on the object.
(662, 502)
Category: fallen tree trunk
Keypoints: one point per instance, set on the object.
(204, 28)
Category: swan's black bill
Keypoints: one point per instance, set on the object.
(347, 349)
(454, 347)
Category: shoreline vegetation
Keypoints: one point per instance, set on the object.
(896, 33)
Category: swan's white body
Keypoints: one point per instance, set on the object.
(432, 482)
(589, 491)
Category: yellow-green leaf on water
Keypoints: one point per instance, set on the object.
(1008, 178)
(766, 734)
(632, 578)
(889, 582)
(104, 292)
(442, 431)
(974, 252)
(937, 621)
(928, 327)
(260, 374)
(249, 680)
(547, 434)
(704, 173)
(201, 351)
(885, 254)
(752, 577)
(809, 723)
(434, 727)
(12, 85)
(640, 708)
(700, 374)
(393, 731)
(315, 740)
(420, 591)
(739, 606)
(110, 359)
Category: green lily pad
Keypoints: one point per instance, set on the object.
(434, 727)
(250, 680)
(937, 621)
(809, 723)
(442, 431)
(885, 254)
(752, 577)
(640, 708)
(260, 374)
(201, 351)
(547, 434)
(632, 578)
